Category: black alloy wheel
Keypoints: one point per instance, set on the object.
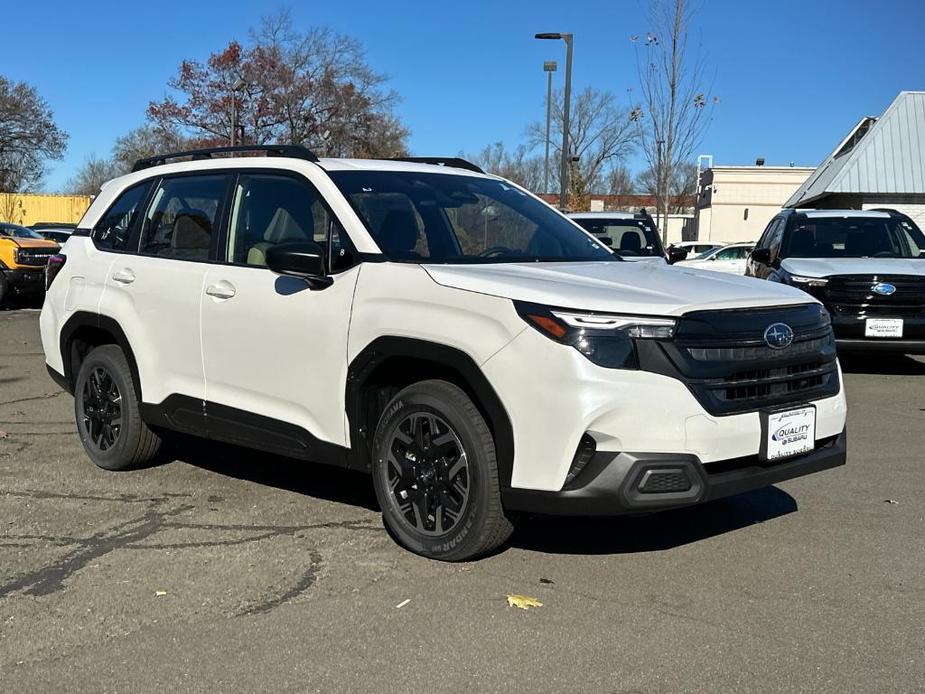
(435, 473)
(101, 409)
(108, 412)
(428, 473)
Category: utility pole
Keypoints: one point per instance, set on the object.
(550, 67)
(566, 159)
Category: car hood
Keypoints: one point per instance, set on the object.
(641, 288)
(30, 243)
(824, 267)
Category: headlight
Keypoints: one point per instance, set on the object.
(801, 281)
(606, 339)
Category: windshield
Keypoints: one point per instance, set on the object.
(447, 218)
(18, 232)
(853, 237)
(628, 237)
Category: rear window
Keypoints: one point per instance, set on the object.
(628, 237)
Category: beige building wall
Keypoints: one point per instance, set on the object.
(29, 208)
(737, 202)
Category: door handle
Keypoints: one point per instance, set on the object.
(221, 290)
(124, 276)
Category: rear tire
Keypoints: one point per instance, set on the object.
(436, 475)
(108, 415)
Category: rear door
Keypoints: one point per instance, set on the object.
(275, 349)
(155, 293)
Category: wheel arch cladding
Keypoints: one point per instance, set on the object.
(389, 364)
(84, 331)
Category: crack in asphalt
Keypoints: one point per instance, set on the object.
(33, 398)
(306, 581)
(132, 534)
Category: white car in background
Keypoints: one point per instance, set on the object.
(731, 259)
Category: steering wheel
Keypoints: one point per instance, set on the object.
(884, 254)
(495, 251)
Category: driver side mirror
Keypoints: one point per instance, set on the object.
(302, 259)
(676, 254)
(762, 255)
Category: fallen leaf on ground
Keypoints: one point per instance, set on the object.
(4, 435)
(523, 602)
(159, 593)
(890, 501)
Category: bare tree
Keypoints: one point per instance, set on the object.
(92, 175)
(681, 188)
(28, 137)
(515, 165)
(312, 88)
(674, 112)
(600, 134)
(144, 141)
(619, 181)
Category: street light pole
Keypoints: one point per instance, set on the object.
(550, 67)
(238, 86)
(563, 183)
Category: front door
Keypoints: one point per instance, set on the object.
(274, 349)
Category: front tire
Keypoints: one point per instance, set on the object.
(108, 415)
(436, 474)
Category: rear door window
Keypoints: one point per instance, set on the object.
(182, 216)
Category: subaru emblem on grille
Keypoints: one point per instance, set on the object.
(778, 336)
(884, 288)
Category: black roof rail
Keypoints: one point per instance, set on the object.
(455, 162)
(294, 151)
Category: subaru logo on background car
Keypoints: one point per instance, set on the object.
(884, 288)
(778, 335)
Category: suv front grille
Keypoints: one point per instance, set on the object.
(853, 295)
(724, 360)
(34, 256)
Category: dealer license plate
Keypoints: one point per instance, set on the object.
(789, 433)
(883, 327)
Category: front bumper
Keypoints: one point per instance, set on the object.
(25, 281)
(619, 483)
(849, 336)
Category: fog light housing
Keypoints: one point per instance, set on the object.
(583, 454)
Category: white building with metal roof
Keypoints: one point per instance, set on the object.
(881, 163)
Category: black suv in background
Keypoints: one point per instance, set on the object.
(866, 266)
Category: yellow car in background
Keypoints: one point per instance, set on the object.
(23, 257)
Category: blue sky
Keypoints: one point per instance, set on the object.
(792, 77)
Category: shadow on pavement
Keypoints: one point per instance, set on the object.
(548, 534)
(658, 531)
(13, 303)
(311, 479)
(881, 364)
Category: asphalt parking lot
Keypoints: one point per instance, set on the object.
(227, 570)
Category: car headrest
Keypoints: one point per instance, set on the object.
(630, 241)
(399, 232)
(191, 229)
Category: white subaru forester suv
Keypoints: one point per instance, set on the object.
(469, 346)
